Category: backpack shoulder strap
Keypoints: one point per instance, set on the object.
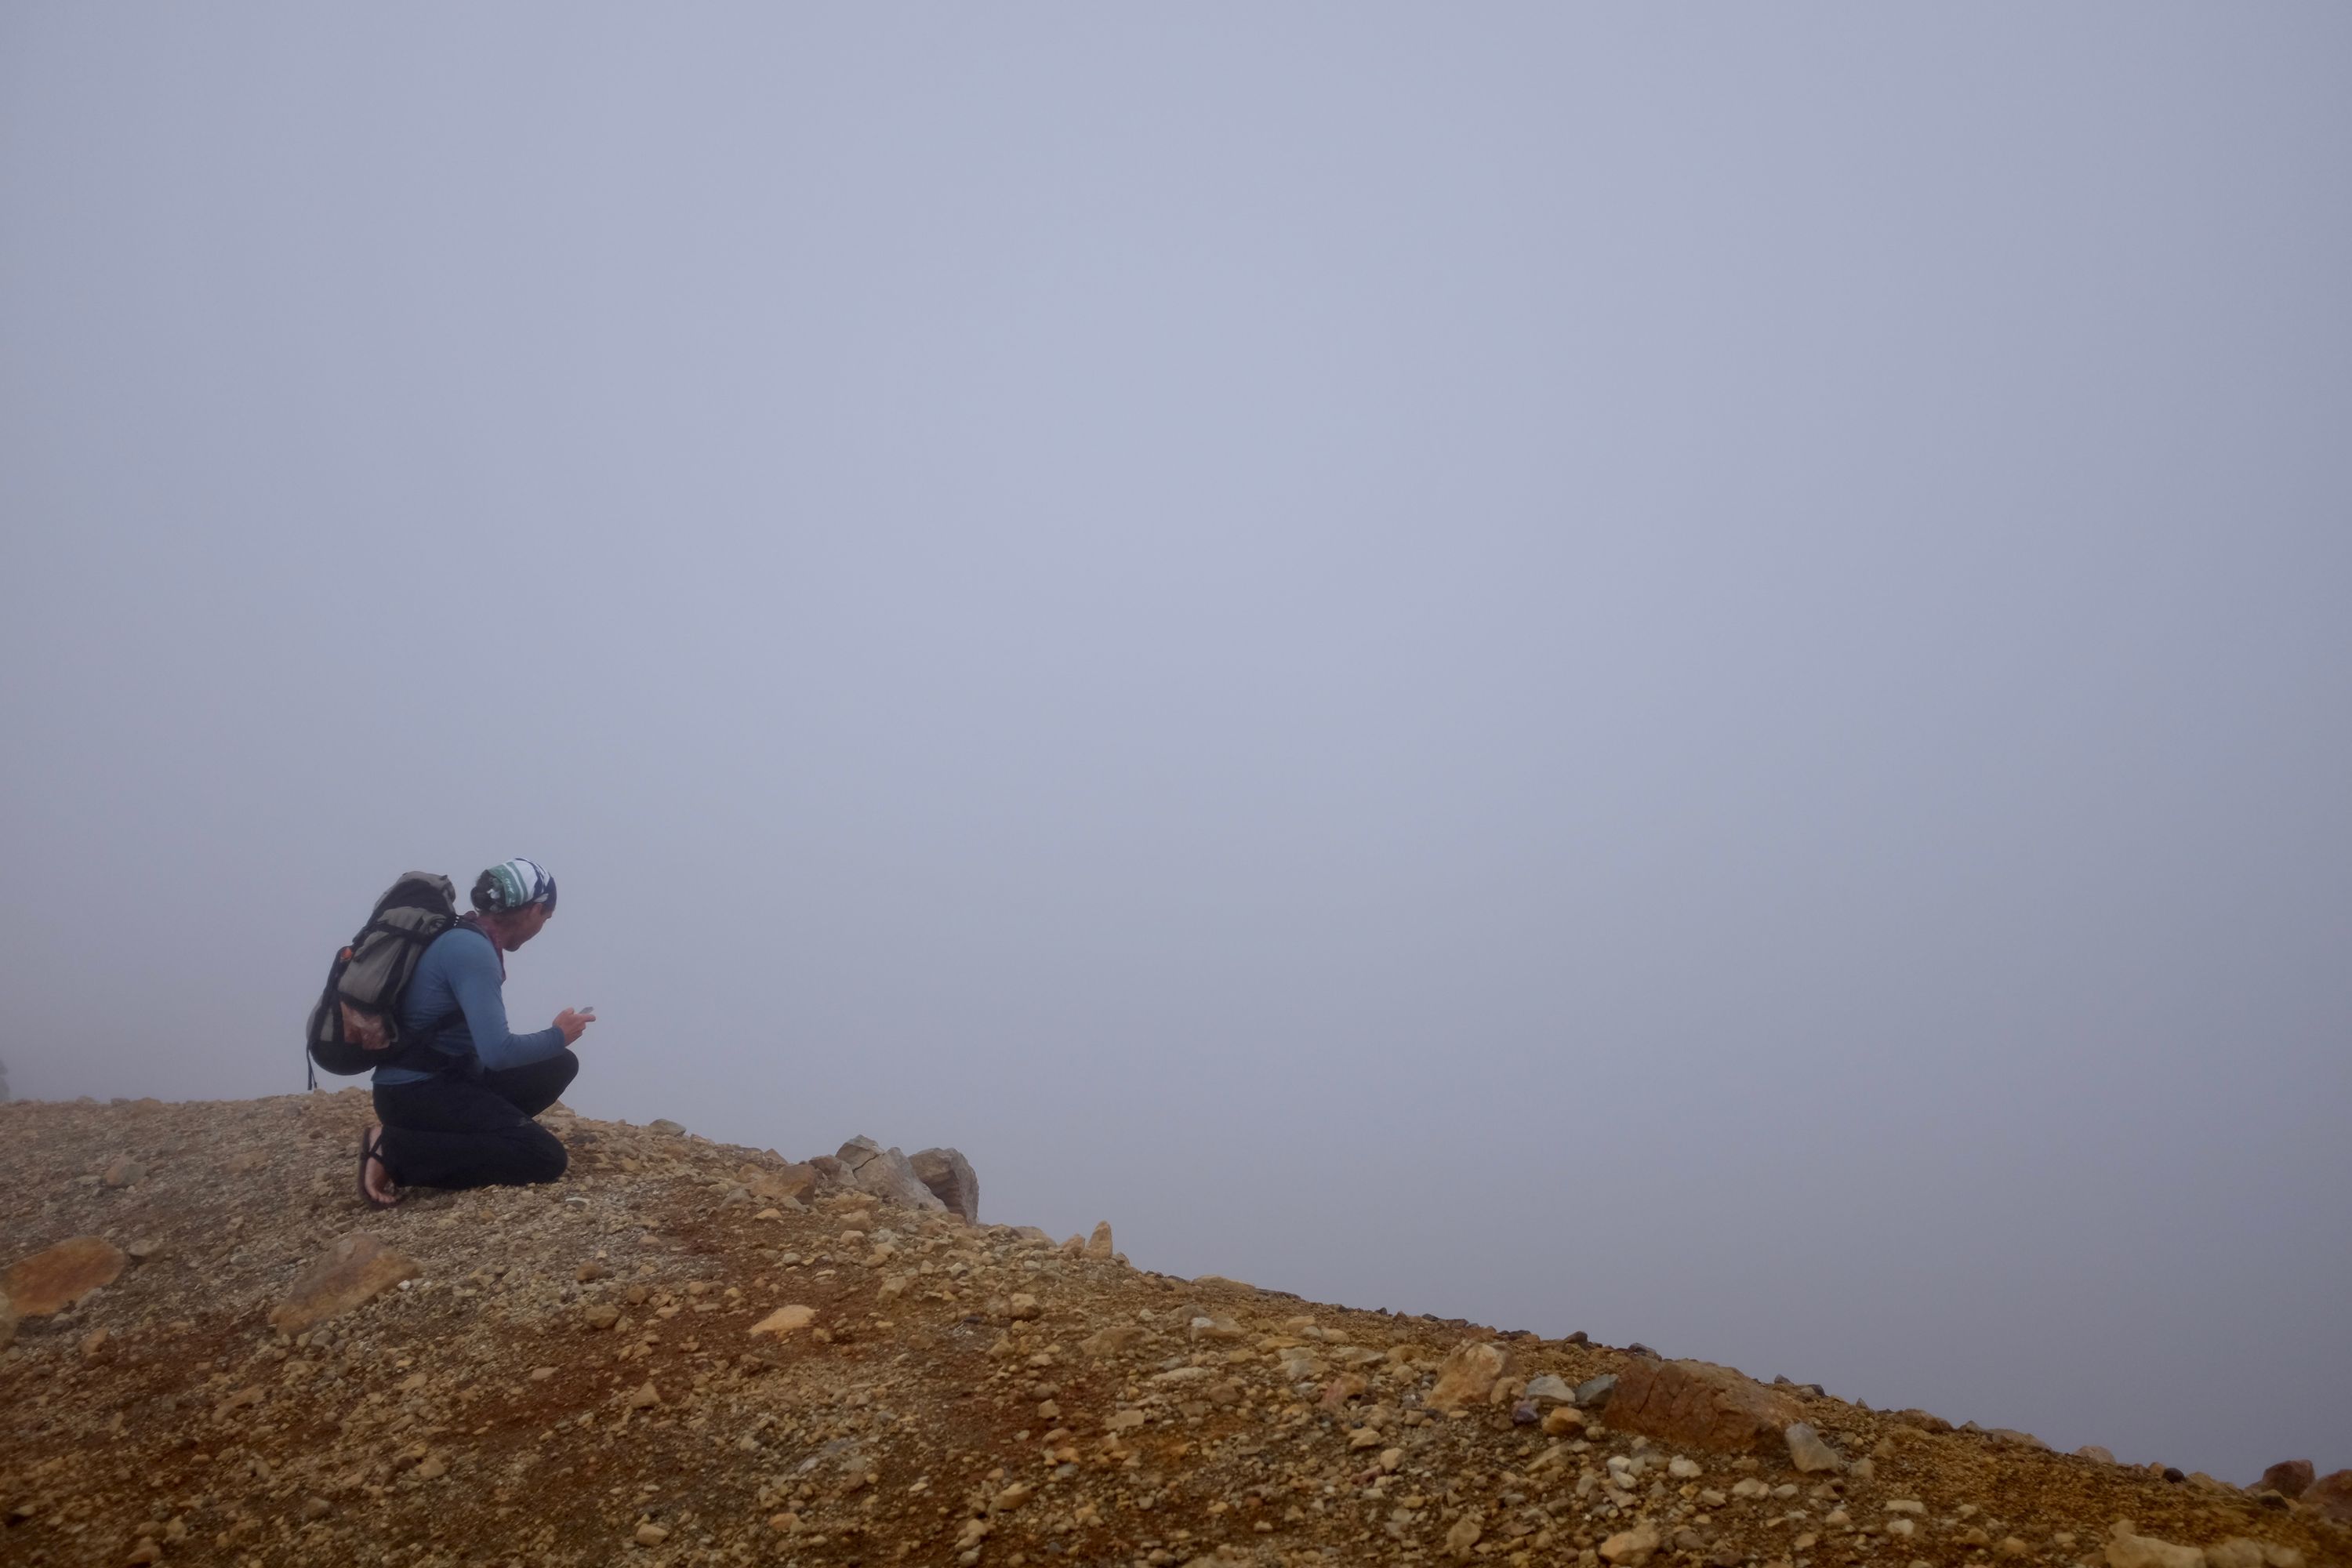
(417, 1052)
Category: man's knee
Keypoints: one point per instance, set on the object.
(540, 1158)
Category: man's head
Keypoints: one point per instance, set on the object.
(515, 898)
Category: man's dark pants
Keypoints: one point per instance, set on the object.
(456, 1132)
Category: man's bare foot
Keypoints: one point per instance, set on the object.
(375, 1180)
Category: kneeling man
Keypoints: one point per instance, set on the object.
(458, 1100)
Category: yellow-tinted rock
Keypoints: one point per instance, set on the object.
(784, 1320)
(354, 1270)
(1629, 1548)
(56, 1278)
(1468, 1376)
(1699, 1405)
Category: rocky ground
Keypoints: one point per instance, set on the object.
(687, 1353)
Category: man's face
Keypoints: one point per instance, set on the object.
(528, 923)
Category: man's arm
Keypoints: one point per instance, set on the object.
(474, 976)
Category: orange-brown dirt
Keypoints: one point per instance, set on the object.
(928, 1413)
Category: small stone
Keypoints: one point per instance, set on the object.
(1464, 1536)
(591, 1272)
(2235, 1552)
(56, 1278)
(784, 1320)
(125, 1171)
(1629, 1548)
(1099, 1244)
(664, 1124)
(246, 1161)
(654, 1535)
(1364, 1438)
(431, 1468)
(2092, 1451)
(1023, 1308)
(1683, 1470)
(1524, 1414)
(355, 1269)
(1594, 1393)
(1551, 1386)
(93, 1341)
(541, 1373)
(644, 1397)
(145, 1551)
(1562, 1420)
(2011, 1546)
(1012, 1497)
(1807, 1450)
(145, 1248)
(602, 1315)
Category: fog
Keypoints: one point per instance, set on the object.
(1678, 673)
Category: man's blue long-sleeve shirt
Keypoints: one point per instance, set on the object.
(460, 974)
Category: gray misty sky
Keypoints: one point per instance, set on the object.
(1679, 672)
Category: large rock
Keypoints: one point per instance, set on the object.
(1468, 1376)
(1697, 1405)
(2288, 1478)
(1808, 1452)
(355, 1269)
(2127, 1550)
(796, 1182)
(1631, 1548)
(2331, 1494)
(952, 1180)
(56, 1278)
(784, 1321)
(887, 1174)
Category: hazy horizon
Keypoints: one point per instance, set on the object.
(1677, 674)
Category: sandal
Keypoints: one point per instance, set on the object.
(371, 1148)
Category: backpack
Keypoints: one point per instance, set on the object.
(355, 1027)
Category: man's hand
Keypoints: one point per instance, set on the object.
(574, 1024)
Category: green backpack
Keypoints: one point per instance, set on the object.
(355, 1027)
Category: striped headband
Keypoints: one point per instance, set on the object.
(516, 883)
